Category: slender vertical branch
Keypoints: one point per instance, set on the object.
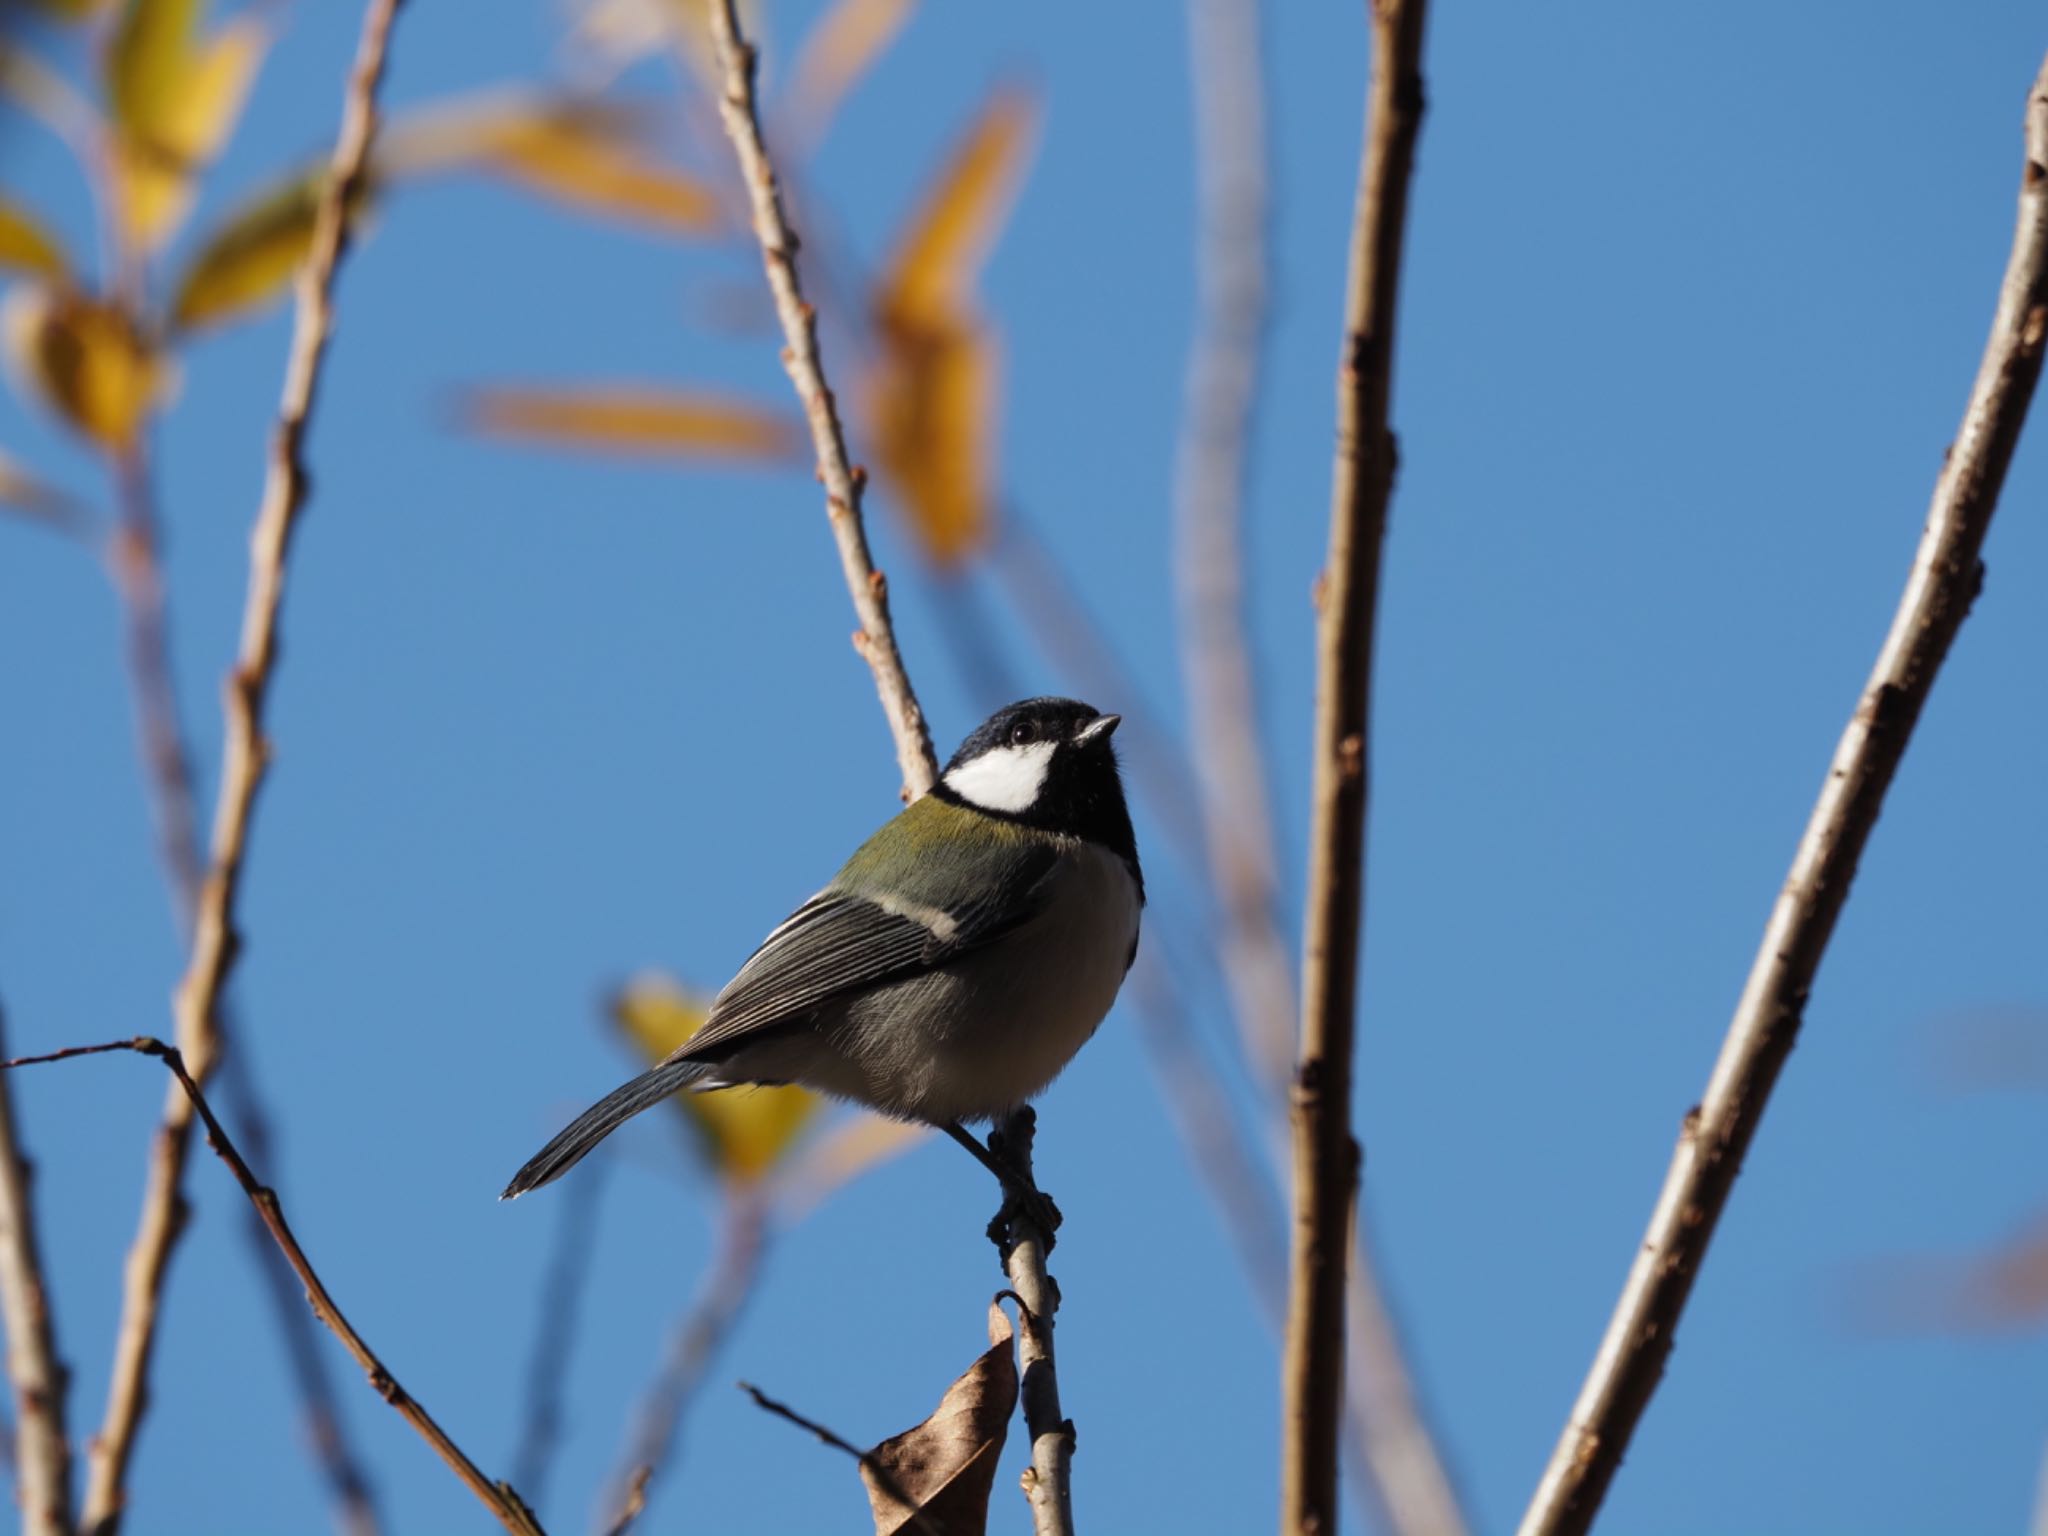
(499, 1498)
(1326, 1156)
(198, 999)
(1049, 1480)
(702, 1332)
(554, 1335)
(1945, 578)
(876, 637)
(42, 1448)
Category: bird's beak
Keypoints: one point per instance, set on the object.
(1098, 729)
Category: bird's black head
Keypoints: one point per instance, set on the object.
(1047, 763)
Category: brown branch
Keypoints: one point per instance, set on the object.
(499, 1498)
(197, 1002)
(1946, 576)
(1325, 1154)
(43, 1450)
(698, 1338)
(1049, 1480)
(876, 637)
(917, 1519)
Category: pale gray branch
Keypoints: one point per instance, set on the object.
(1716, 1133)
(844, 484)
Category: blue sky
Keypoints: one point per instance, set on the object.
(1693, 297)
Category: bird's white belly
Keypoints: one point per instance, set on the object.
(977, 1038)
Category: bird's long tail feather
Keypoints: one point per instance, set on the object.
(599, 1121)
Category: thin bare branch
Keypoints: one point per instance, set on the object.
(1388, 1432)
(499, 1498)
(554, 1334)
(1946, 576)
(1325, 1153)
(695, 1344)
(888, 1484)
(42, 1456)
(876, 637)
(198, 1000)
(1048, 1481)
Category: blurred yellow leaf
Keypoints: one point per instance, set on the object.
(940, 256)
(840, 47)
(581, 153)
(83, 358)
(26, 246)
(175, 98)
(931, 395)
(629, 419)
(252, 256)
(745, 1130)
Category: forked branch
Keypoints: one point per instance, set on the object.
(1715, 1134)
(499, 1498)
(1326, 1155)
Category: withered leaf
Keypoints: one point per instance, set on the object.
(639, 419)
(947, 1464)
(85, 359)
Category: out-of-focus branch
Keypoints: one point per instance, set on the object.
(1209, 546)
(499, 1498)
(561, 1299)
(1387, 1430)
(698, 1338)
(42, 1449)
(1048, 1481)
(1946, 576)
(876, 637)
(1325, 1153)
(198, 1000)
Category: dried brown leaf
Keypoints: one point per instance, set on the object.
(632, 419)
(947, 1464)
(2004, 1289)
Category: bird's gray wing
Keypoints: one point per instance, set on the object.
(846, 941)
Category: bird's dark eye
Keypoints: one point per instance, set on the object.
(1023, 733)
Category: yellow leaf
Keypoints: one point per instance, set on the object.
(630, 419)
(931, 404)
(931, 394)
(839, 49)
(85, 359)
(175, 99)
(745, 1131)
(939, 259)
(588, 156)
(21, 491)
(252, 256)
(26, 246)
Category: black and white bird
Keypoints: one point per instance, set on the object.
(955, 965)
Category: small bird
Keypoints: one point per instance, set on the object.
(952, 969)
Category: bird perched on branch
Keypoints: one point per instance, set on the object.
(952, 968)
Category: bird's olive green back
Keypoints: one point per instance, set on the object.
(941, 854)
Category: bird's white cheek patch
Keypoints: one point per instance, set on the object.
(1003, 779)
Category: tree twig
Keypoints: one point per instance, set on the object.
(1049, 1480)
(917, 1518)
(42, 1446)
(198, 997)
(876, 637)
(554, 1334)
(499, 1498)
(698, 1337)
(1945, 578)
(1326, 1155)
